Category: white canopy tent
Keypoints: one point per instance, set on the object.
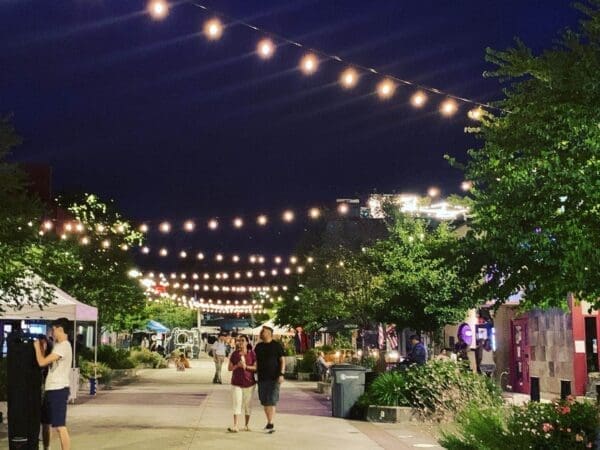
(63, 305)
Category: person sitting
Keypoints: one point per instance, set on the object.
(444, 355)
(417, 354)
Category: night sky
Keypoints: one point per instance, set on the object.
(171, 125)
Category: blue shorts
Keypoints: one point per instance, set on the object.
(268, 392)
(54, 407)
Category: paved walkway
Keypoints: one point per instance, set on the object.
(166, 409)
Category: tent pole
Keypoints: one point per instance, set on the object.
(96, 350)
(74, 341)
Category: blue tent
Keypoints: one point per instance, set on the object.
(156, 326)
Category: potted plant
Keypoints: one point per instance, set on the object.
(306, 366)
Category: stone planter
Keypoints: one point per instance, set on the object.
(304, 376)
(290, 365)
(390, 414)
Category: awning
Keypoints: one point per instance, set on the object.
(153, 325)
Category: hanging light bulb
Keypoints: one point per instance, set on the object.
(349, 78)
(385, 89)
(265, 48)
(213, 224)
(466, 185)
(48, 225)
(238, 222)
(145, 250)
(189, 225)
(448, 107)
(213, 29)
(309, 64)
(277, 260)
(143, 228)
(85, 240)
(105, 243)
(314, 213)
(183, 254)
(200, 256)
(262, 220)
(219, 257)
(343, 209)
(235, 258)
(433, 192)
(165, 227)
(288, 216)
(418, 99)
(158, 9)
(163, 252)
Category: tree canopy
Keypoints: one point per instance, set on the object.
(536, 196)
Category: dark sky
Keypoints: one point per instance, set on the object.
(172, 126)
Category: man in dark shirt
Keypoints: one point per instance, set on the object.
(270, 367)
(418, 351)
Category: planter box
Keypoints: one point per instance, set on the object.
(390, 414)
(304, 376)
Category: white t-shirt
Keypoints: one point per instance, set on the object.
(59, 373)
(219, 348)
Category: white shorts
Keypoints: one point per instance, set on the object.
(242, 399)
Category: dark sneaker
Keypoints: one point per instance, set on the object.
(270, 428)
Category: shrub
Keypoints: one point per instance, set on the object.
(145, 357)
(561, 425)
(308, 363)
(437, 390)
(103, 372)
(115, 358)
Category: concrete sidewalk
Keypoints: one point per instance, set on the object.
(166, 409)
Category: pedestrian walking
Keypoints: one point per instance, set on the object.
(56, 395)
(242, 364)
(219, 350)
(270, 368)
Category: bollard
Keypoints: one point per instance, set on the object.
(565, 389)
(92, 386)
(535, 389)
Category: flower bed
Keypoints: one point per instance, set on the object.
(561, 425)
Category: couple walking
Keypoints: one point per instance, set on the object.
(268, 362)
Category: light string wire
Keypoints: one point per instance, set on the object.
(326, 55)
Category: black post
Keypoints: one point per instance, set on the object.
(565, 389)
(598, 393)
(535, 389)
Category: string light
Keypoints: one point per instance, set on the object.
(349, 78)
(79, 227)
(262, 220)
(183, 254)
(48, 225)
(213, 224)
(288, 216)
(418, 99)
(235, 258)
(219, 257)
(385, 89)
(100, 228)
(189, 225)
(105, 243)
(433, 192)
(448, 107)
(165, 227)
(145, 250)
(265, 48)
(343, 209)
(213, 29)
(69, 227)
(163, 252)
(200, 256)
(85, 240)
(158, 9)
(475, 113)
(314, 213)
(238, 222)
(309, 64)
(466, 185)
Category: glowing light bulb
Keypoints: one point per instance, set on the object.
(145, 250)
(448, 107)
(85, 240)
(349, 78)
(143, 228)
(385, 89)
(165, 227)
(249, 274)
(158, 9)
(293, 259)
(274, 272)
(475, 113)
(433, 192)
(163, 252)
(48, 225)
(200, 256)
(213, 29)
(68, 227)
(235, 258)
(466, 185)
(265, 48)
(105, 243)
(287, 270)
(100, 228)
(343, 209)
(189, 225)
(288, 216)
(314, 213)
(418, 99)
(238, 222)
(277, 260)
(219, 257)
(309, 64)
(300, 269)
(252, 259)
(183, 254)
(79, 227)
(310, 260)
(213, 224)
(262, 220)
(261, 259)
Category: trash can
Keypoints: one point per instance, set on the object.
(348, 383)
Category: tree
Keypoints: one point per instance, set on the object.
(422, 267)
(341, 286)
(167, 313)
(536, 196)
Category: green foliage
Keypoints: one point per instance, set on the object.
(437, 390)
(561, 425)
(115, 358)
(536, 178)
(423, 274)
(308, 363)
(102, 371)
(168, 313)
(146, 358)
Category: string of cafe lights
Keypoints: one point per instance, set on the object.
(237, 275)
(214, 28)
